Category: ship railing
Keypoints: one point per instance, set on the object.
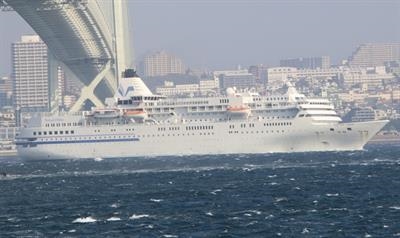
(49, 114)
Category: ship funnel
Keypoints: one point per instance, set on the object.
(132, 85)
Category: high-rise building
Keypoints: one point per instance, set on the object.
(161, 64)
(375, 54)
(322, 62)
(30, 74)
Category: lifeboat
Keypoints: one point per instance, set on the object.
(240, 111)
(105, 113)
(137, 114)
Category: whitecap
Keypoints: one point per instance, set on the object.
(255, 212)
(114, 205)
(135, 217)
(114, 219)
(156, 200)
(332, 194)
(305, 231)
(98, 159)
(280, 199)
(272, 176)
(170, 236)
(252, 223)
(84, 220)
(209, 214)
(395, 207)
(216, 191)
(273, 183)
(71, 231)
(337, 209)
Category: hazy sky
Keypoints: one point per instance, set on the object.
(221, 34)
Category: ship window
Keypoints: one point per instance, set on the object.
(61, 132)
(72, 132)
(50, 133)
(40, 133)
(66, 132)
(44, 133)
(332, 129)
(34, 133)
(56, 133)
(349, 129)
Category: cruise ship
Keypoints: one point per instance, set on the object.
(138, 123)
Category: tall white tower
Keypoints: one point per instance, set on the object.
(122, 43)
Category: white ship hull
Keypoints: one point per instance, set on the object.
(147, 141)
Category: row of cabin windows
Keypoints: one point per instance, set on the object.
(63, 124)
(278, 124)
(190, 128)
(45, 133)
(114, 130)
(182, 103)
(256, 132)
(320, 103)
(140, 98)
(277, 98)
(348, 128)
(183, 134)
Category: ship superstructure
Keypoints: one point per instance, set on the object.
(138, 123)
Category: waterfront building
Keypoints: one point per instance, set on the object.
(375, 54)
(240, 79)
(260, 72)
(278, 76)
(30, 74)
(322, 62)
(372, 77)
(360, 114)
(161, 63)
(5, 91)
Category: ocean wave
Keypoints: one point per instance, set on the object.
(84, 220)
(156, 200)
(140, 216)
(114, 219)
(332, 194)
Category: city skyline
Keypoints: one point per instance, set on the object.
(195, 32)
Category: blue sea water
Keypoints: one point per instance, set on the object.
(344, 194)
